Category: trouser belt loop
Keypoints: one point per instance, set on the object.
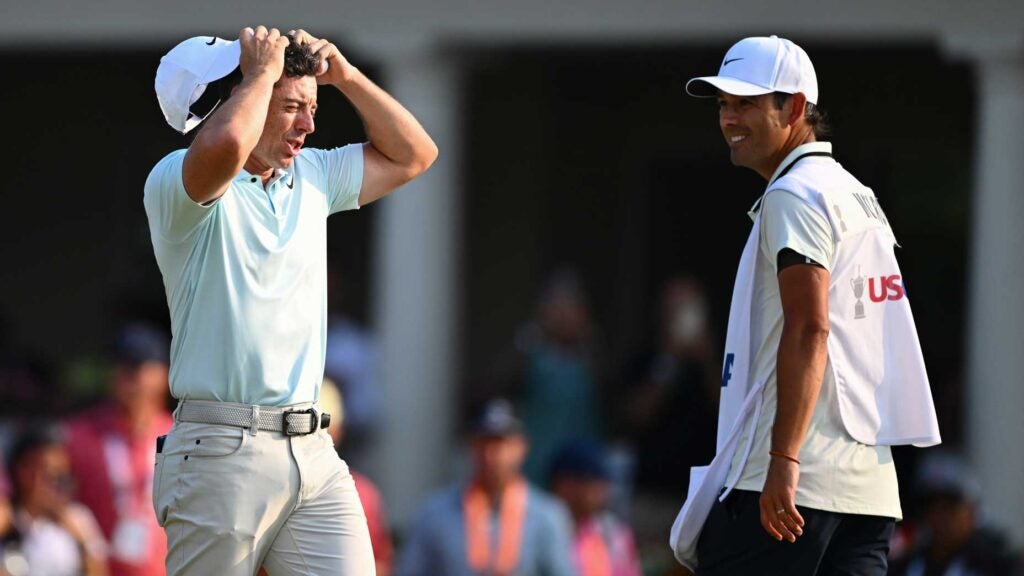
(254, 425)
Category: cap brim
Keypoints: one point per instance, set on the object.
(710, 86)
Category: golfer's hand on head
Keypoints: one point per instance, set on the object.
(334, 68)
(779, 515)
(262, 52)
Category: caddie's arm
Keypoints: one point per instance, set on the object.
(222, 146)
(399, 148)
(803, 353)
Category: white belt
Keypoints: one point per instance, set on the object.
(290, 421)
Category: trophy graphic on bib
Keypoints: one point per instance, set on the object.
(858, 291)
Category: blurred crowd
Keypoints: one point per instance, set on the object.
(577, 467)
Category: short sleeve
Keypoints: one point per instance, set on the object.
(342, 171)
(170, 210)
(789, 222)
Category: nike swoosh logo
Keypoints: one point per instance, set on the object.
(730, 61)
(291, 185)
(212, 40)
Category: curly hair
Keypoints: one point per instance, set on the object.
(299, 60)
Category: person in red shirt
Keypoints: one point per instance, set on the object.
(113, 456)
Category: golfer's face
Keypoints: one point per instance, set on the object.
(753, 129)
(289, 121)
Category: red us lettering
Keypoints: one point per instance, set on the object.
(889, 287)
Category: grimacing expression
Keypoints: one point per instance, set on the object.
(289, 121)
(754, 129)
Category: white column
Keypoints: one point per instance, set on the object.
(995, 346)
(415, 291)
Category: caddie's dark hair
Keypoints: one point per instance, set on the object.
(815, 118)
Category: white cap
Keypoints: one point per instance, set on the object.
(755, 66)
(184, 73)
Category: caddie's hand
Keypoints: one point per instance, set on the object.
(262, 52)
(334, 68)
(779, 515)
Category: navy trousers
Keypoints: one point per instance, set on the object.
(733, 543)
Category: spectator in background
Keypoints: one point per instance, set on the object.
(55, 535)
(495, 524)
(552, 373)
(12, 561)
(669, 402)
(953, 540)
(112, 452)
(603, 545)
(331, 401)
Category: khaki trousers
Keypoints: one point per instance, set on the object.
(232, 499)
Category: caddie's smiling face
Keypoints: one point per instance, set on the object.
(289, 121)
(755, 130)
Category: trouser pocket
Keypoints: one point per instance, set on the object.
(157, 473)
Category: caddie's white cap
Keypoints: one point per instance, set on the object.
(755, 66)
(184, 73)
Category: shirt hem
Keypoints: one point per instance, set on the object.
(839, 508)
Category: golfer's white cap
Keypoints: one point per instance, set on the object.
(755, 66)
(184, 73)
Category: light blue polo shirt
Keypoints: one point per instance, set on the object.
(246, 276)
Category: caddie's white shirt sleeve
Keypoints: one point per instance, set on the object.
(342, 170)
(789, 222)
(170, 210)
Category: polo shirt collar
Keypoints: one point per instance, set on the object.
(790, 158)
(245, 176)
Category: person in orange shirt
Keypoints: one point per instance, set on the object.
(495, 523)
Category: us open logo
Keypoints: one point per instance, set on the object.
(889, 288)
(881, 289)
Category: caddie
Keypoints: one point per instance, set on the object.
(823, 370)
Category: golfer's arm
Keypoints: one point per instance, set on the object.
(222, 146)
(399, 149)
(803, 353)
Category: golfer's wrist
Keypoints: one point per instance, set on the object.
(348, 77)
(259, 77)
